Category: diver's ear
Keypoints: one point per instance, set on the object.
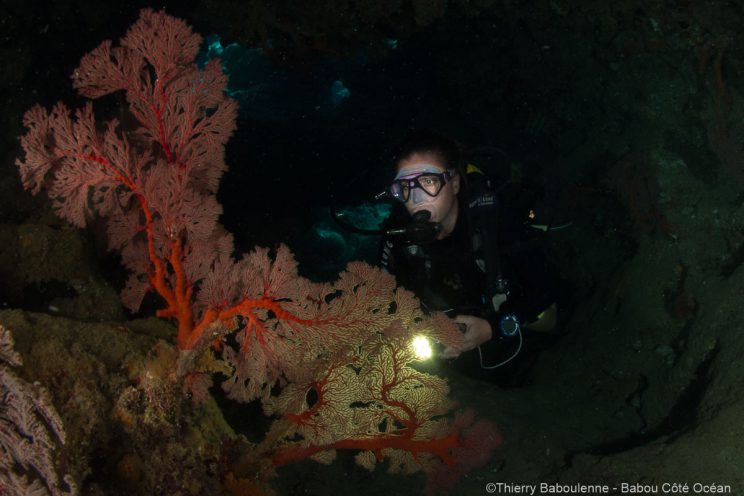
(456, 183)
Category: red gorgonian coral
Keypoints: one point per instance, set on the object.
(332, 360)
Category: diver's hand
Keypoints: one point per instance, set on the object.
(477, 331)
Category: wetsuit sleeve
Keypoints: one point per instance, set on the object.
(389, 257)
(493, 349)
(387, 260)
(536, 284)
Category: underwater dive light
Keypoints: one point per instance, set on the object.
(422, 347)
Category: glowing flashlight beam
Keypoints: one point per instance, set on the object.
(422, 347)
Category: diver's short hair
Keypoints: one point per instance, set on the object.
(447, 150)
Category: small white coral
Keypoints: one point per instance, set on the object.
(30, 430)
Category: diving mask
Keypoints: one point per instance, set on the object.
(420, 184)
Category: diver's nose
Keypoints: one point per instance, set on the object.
(418, 196)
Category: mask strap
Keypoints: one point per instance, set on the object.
(410, 173)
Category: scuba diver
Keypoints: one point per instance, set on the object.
(451, 241)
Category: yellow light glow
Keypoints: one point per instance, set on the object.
(422, 347)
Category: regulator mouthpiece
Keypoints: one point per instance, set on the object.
(419, 230)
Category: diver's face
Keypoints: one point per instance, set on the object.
(443, 206)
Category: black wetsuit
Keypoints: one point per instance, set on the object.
(448, 275)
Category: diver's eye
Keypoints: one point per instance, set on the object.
(430, 183)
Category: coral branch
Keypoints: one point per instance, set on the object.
(184, 117)
(30, 432)
(439, 446)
